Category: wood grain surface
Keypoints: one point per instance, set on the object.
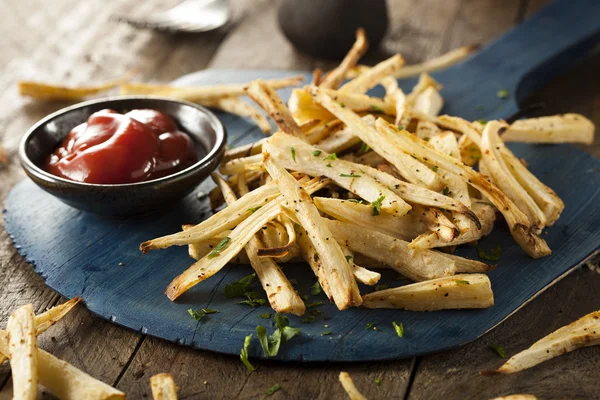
(70, 41)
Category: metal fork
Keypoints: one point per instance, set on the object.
(190, 16)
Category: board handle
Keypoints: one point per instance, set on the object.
(542, 46)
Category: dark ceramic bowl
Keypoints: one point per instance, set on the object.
(133, 198)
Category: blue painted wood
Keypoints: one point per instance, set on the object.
(79, 254)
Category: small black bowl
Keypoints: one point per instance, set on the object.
(205, 129)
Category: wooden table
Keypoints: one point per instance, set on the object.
(73, 41)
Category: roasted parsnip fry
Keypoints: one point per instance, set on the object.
(237, 106)
(163, 387)
(517, 221)
(468, 266)
(200, 93)
(43, 91)
(64, 380)
(418, 265)
(361, 274)
(368, 79)
(405, 227)
(427, 130)
(349, 387)
(361, 102)
(336, 270)
(463, 126)
(502, 177)
(425, 82)
(517, 397)
(244, 151)
(240, 165)
(23, 352)
(458, 291)
(437, 63)
(303, 108)
(312, 161)
(565, 128)
(439, 226)
(429, 102)
(337, 75)
(411, 169)
(283, 247)
(270, 101)
(582, 333)
(280, 293)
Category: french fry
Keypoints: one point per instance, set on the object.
(280, 293)
(458, 291)
(565, 128)
(581, 333)
(417, 265)
(237, 106)
(337, 76)
(42, 91)
(211, 92)
(270, 101)
(23, 352)
(411, 169)
(368, 79)
(163, 387)
(349, 387)
(312, 161)
(336, 270)
(520, 229)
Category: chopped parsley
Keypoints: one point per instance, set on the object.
(253, 300)
(482, 121)
(314, 304)
(342, 104)
(377, 205)
(383, 286)
(198, 315)
(308, 319)
(434, 168)
(253, 209)
(244, 353)
(293, 151)
(498, 349)
(462, 282)
(364, 147)
(328, 165)
(325, 333)
(239, 288)
(350, 175)
(272, 389)
(400, 127)
(359, 201)
(316, 289)
(265, 315)
(502, 94)
(491, 255)
(217, 250)
(284, 332)
(375, 108)
(370, 326)
(377, 381)
(446, 191)
(349, 258)
(317, 153)
(399, 328)
(332, 156)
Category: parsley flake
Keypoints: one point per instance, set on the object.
(349, 258)
(400, 127)
(350, 175)
(314, 304)
(364, 147)
(272, 389)
(325, 333)
(293, 150)
(198, 315)
(316, 153)
(370, 326)
(375, 108)
(383, 286)
(265, 315)
(244, 353)
(332, 156)
(377, 206)
(284, 332)
(253, 209)
(308, 319)
(502, 94)
(462, 282)
(239, 288)
(316, 289)
(377, 381)
(491, 255)
(446, 191)
(217, 250)
(399, 328)
(499, 350)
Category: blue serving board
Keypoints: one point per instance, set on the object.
(79, 254)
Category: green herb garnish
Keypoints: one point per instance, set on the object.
(400, 127)
(377, 205)
(492, 255)
(198, 315)
(253, 300)
(314, 304)
(342, 104)
(244, 353)
(350, 175)
(482, 121)
(434, 168)
(293, 150)
(328, 165)
(239, 288)
(499, 350)
(253, 209)
(502, 94)
(332, 156)
(265, 315)
(370, 325)
(375, 108)
(325, 333)
(272, 389)
(217, 250)
(462, 282)
(317, 153)
(359, 201)
(383, 286)
(446, 191)
(282, 334)
(315, 289)
(349, 258)
(364, 147)
(308, 319)
(399, 328)
(377, 381)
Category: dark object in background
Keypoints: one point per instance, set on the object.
(327, 28)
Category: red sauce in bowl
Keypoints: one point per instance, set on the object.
(113, 148)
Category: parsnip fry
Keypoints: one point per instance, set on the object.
(43, 91)
(368, 79)
(418, 265)
(437, 63)
(336, 77)
(358, 102)
(64, 380)
(336, 270)
(361, 274)
(565, 128)
(237, 106)
(429, 102)
(517, 221)
(582, 333)
(458, 291)
(411, 169)
(312, 161)
(163, 387)
(23, 353)
(270, 101)
(425, 82)
(517, 397)
(200, 93)
(349, 387)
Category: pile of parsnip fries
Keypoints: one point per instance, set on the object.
(351, 183)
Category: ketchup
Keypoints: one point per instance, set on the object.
(112, 148)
